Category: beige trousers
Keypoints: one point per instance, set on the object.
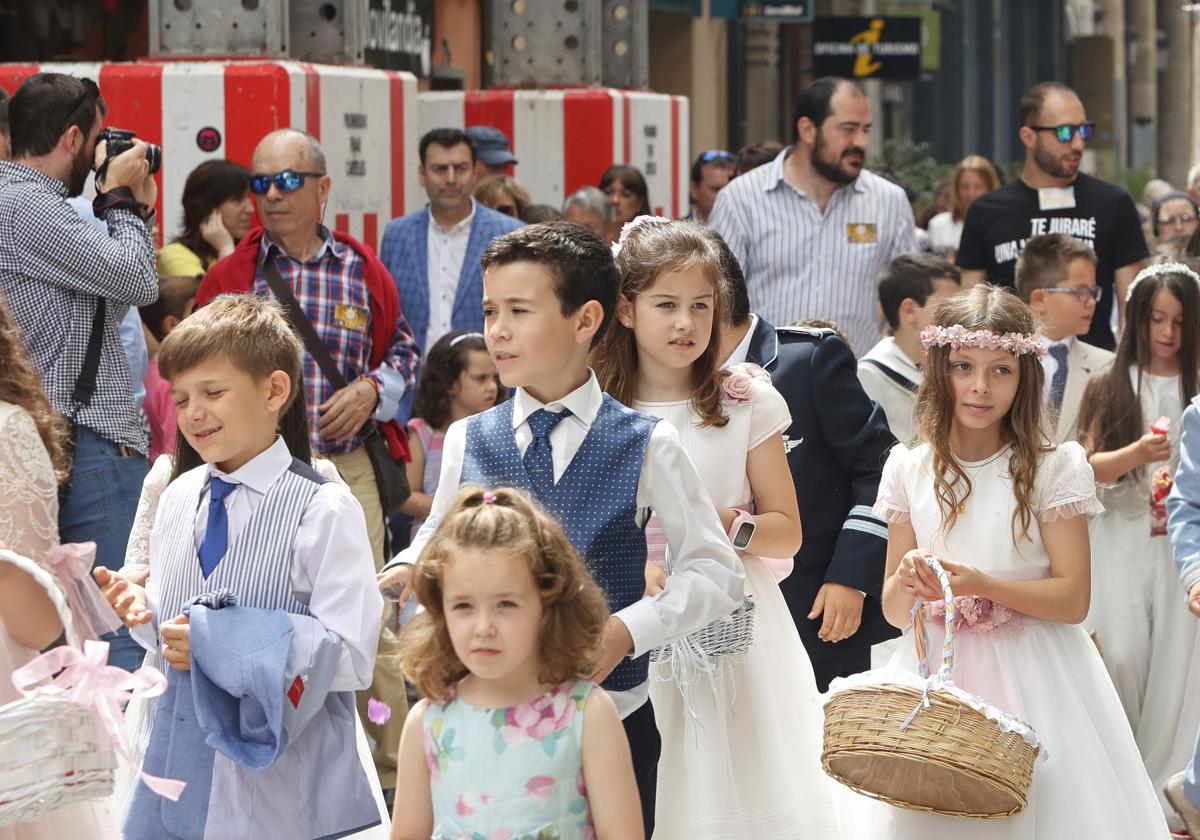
(387, 682)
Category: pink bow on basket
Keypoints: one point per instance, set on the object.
(91, 683)
(90, 612)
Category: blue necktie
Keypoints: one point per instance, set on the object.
(1058, 382)
(216, 535)
(538, 458)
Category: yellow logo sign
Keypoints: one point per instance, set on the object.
(864, 63)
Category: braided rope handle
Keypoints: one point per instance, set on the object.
(50, 584)
(921, 637)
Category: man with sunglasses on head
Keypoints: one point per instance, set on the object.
(68, 285)
(711, 171)
(1053, 196)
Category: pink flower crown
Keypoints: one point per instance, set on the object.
(957, 336)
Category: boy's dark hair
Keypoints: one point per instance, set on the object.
(735, 282)
(1044, 262)
(1031, 103)
(580, 262)
(447, 138)
(173, 296)
(814, 101)
(911, 276)
(755, 155)
(45, 106)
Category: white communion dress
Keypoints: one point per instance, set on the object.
(1091, 781)
(741, 754)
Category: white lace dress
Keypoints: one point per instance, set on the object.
(744, 760)
(1091, 782)
(29, 526)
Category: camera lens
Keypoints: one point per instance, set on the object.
(154, 157)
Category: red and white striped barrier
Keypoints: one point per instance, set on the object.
(565, 139)
(197, 110)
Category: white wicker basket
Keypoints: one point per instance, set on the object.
(53, 751)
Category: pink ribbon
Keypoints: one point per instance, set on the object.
(90, 611)
(88, 681)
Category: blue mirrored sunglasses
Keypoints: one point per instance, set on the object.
(715, 154)
(289, 180)
(1066, 131)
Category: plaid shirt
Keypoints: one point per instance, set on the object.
(54, 268)
(333, 294)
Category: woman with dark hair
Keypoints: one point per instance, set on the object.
(217, 213)
(626, 190)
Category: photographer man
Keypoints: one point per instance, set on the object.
(68, 286)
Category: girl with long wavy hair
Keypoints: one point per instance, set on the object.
(1150, 640)
(1005, 512)
(740, 743)
(32, 465)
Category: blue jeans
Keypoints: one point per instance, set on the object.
(99, 504)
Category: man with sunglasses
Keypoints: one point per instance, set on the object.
(68, 285)
(711, 171)
(1053, 197)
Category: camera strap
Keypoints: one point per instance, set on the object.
(85, 385)
(120, 198)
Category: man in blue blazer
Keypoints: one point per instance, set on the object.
(836, 448)
(434, 253)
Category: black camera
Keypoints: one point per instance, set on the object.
(121, 140)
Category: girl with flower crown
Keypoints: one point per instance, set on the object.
(1129, 422)
(509, 743)
(1005, 512)
(740, 734)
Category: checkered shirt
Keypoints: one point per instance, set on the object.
(54, 268)
(325, 285)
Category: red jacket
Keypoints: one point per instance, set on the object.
(235, 275)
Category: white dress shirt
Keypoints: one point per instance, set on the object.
(739, 354)
(1050, 364)
(447, 248)
(332, 570)
(707, 577)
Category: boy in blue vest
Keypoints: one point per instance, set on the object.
(549, 292)
(261, 599)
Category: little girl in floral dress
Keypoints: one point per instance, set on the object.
(510, 744)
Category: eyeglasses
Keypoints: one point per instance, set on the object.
(506, 209)
(1177, 221)
(715, 154)
(1082, 293)
(289, 180)
(1066, 131)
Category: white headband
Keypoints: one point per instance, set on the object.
(1157, 269)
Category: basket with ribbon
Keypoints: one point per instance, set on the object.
(924, 744)
(59, 742)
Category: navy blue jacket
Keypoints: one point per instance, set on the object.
(837, 445)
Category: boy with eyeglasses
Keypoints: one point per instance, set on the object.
(1056, 275)
(1053, 196)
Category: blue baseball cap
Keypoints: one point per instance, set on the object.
(491, 146)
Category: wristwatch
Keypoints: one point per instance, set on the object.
(742, 530)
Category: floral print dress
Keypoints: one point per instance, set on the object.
(509, 774)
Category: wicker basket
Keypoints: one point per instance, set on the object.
(732, 635)
(53, 751)
(926, 750)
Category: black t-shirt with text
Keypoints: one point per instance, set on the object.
(1104, 216)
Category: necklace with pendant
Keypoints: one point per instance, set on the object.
(972, 470)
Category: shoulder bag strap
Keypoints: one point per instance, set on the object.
(303, 326)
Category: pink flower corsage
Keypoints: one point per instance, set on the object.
(975, 614)
(738, 387)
